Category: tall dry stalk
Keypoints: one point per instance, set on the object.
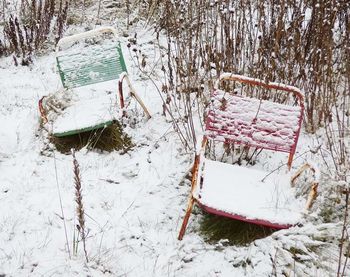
(61, 207)
(79, 202)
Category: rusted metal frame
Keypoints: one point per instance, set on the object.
(314, 185)
(124, 76)
(42, 110)
(243, 218)
(195, 175)
(269, 85)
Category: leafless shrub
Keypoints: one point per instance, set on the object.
(29, 31)
(336, 145)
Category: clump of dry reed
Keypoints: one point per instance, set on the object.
(79, 201)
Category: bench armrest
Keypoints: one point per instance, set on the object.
(257, 82)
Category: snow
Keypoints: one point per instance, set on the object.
(88, 34)
(134, 203)
(86, 113)
(246, 192)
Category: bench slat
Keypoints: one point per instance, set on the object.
(256, 123)
(91, 65)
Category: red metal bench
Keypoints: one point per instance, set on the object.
(239, 192)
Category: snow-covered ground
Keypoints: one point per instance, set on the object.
(134, 202)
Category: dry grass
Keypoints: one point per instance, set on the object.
(105, 139)
(215, 228)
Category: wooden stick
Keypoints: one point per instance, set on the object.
(133, 93)
(312, 196)
(138, 99)
(314, 185)
(186, 218)
(298, 173)
(192, 200)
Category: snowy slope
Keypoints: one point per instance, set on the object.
(134, 203)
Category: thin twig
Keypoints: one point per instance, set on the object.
(61, 206)
(343, 233)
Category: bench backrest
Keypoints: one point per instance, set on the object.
(90, 64)
(254, 122)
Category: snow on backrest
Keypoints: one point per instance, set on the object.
(254, 122)
(90, 65)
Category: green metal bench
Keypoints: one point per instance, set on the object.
(84, 66)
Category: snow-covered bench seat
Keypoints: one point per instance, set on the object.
(245, 194)
(85, 115)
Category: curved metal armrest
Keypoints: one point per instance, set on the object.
(314, 185)
(122, 77)
(257, 82)
(85, 35)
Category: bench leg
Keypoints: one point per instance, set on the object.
(186, 218)
(191, 201)
(290, 160)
